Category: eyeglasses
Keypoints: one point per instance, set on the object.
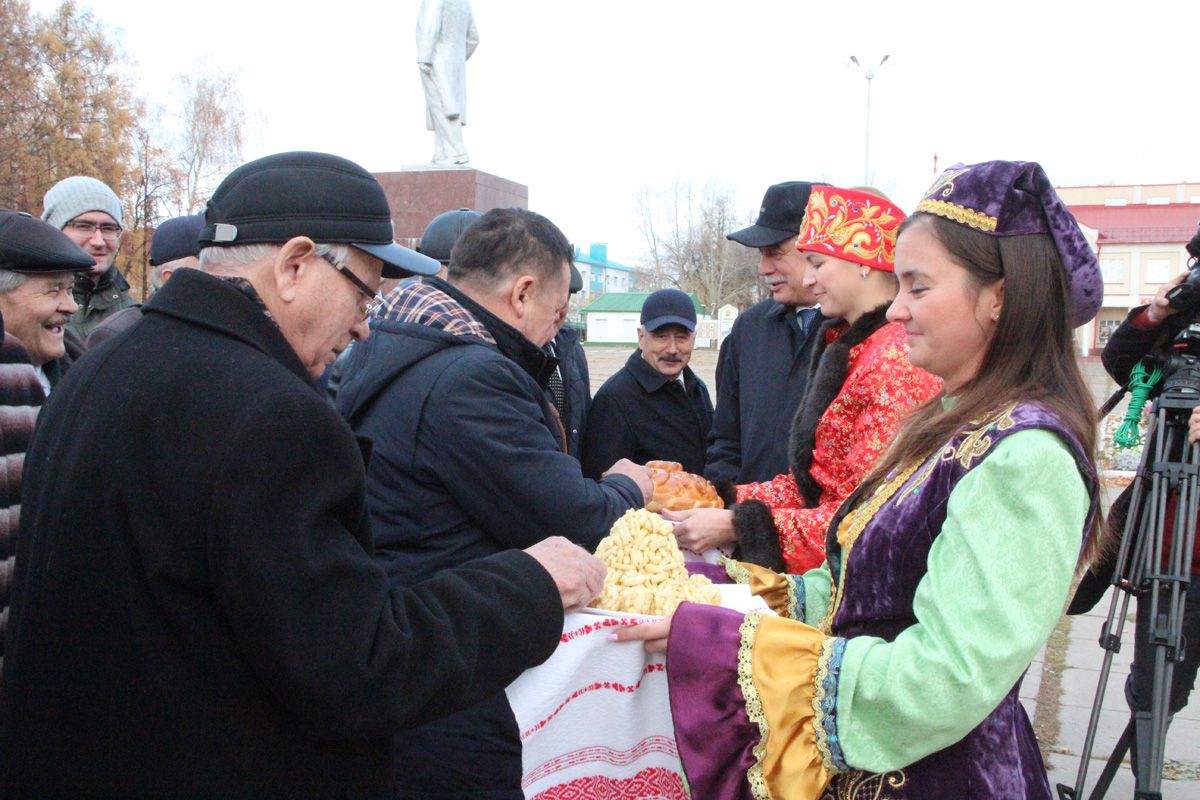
(374, 300)
(108, 231)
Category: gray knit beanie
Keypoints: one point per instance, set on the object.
(77, 195)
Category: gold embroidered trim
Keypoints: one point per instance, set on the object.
(818, 710)
(957, 213)
(745, 679)
(793, 601)
(734, 569)
(974, 446)
(850, 529)
(860, 785)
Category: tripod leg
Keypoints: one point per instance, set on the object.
(1145, 512)
(1113, 764)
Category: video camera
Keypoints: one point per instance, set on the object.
(1186, 296)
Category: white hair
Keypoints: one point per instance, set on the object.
(240, 256)
(156, 275)
(11, 280)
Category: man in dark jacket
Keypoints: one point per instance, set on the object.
(569, 387)
(654, 407)
(197, 614)
(469, 457)
(89, 212)
(29, 249)
(763, 363)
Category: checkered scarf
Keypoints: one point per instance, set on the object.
(424, 304)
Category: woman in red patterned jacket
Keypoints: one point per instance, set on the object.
(860, 385)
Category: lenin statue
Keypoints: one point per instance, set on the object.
(446, 38)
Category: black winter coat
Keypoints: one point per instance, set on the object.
(640, 415)
(467, 462)
(572, 363)
(196, 612)
(761, 375)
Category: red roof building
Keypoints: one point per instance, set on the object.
(1140, 233)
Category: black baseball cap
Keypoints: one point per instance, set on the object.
(668, 307)
(443, 231)
(178, 237)
(30, 246)
(779, 217)
(325, 197)
(576, 285)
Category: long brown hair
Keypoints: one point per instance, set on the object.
(1029, 357)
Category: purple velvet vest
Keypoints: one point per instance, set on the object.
(1000, 757)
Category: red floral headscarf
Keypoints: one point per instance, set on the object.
(853, 225)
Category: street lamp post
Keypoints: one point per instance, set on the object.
(869, 74)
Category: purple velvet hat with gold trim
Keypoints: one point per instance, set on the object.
(1011, 198)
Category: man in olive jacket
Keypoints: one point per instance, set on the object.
(197, 613)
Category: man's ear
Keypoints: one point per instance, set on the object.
(291, 265)
(521, 293)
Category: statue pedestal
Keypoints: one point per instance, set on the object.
(418, 194)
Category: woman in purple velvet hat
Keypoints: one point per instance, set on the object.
(892, 671)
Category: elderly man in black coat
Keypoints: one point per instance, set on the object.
(471, 457)
(763, 365)
(655, 407)
(196, 612)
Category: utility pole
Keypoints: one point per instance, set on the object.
(869, 74)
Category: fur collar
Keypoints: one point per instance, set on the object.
(826, 374)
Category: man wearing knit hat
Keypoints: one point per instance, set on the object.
(195, 608)
(88, 212)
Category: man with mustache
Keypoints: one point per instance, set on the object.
(763, 366)
(654, 407)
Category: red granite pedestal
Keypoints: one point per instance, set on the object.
(419, 194)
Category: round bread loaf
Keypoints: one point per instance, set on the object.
(676, 490)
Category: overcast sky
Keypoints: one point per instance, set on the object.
(588, 102)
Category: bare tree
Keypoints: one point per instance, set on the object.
(684, 230)
(153, 188)
(212, 120)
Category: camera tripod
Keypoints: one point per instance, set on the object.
(1169, 470)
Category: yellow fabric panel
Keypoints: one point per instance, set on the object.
(784, 667)
(770, 586)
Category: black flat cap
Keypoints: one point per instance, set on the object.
(329, 199)
(178, 237)
(31, 246)
(779, 217)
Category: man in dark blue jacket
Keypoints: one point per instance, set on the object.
(763, 364)
(469, 456)
(655, 407)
